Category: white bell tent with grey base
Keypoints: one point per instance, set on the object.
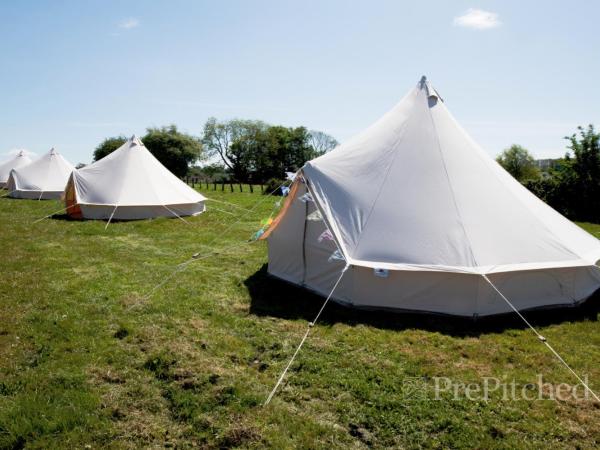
(43, 179)
(413, 215)
(19, 160)
(425, 220)
(128, 184)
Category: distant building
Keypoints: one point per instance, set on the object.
(546, 164)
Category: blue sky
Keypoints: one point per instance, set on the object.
(75, 72)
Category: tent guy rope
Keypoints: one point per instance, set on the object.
(51, 214)
(177, 215)
(8, 193)
(222, 210)
(542, 338)
(231, 204)
(197, 256)
(111, 216)
(310, 325)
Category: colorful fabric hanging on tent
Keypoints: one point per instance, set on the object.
(306, 198)
(315, 216)
(257, 235)
(266, 222)
(325, 236)
(285, 191)
(336, 256)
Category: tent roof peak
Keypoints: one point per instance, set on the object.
(134, 140)
(429, 89)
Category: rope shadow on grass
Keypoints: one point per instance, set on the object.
(271, 296)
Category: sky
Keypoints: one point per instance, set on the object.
(73, 73)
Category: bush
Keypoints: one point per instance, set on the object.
(272, 185)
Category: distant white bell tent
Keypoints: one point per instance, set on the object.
(43, 179)
(18, 160)
(423, 219)
(129, 184)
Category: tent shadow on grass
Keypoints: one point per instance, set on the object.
(64, 217)
(276, 298)
(68, 218)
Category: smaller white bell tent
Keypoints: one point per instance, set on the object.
(129, 184)
(43, 179)
(19, 160)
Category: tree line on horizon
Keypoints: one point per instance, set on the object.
(237, 150)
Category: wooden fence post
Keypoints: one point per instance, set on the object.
(223, 185)
(231, 186)
(251, 188)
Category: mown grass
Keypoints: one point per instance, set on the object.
(87, 359)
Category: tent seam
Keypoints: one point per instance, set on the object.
(389, 169)
(304, 242)
(516, 197)
(460, 220)
(42, 188)
(127, 164)
(151, 184)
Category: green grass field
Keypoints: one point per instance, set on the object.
(87, 361)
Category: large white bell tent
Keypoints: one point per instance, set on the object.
(423, 219)
(19, 160)
(130, 183)
(43, 179)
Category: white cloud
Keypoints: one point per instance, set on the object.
(477, 19)
(128, 24)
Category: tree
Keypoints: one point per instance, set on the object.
(174, 149)
(321, 142)
(219, 137)
(581, 182)
(107, 146)
(254, 151)
(572, 185)
(517, 161)
(268, 152)
(210, 172)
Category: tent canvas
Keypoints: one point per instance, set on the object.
(43, 179)
(18, 160)
(128, 184)
(421, 214)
